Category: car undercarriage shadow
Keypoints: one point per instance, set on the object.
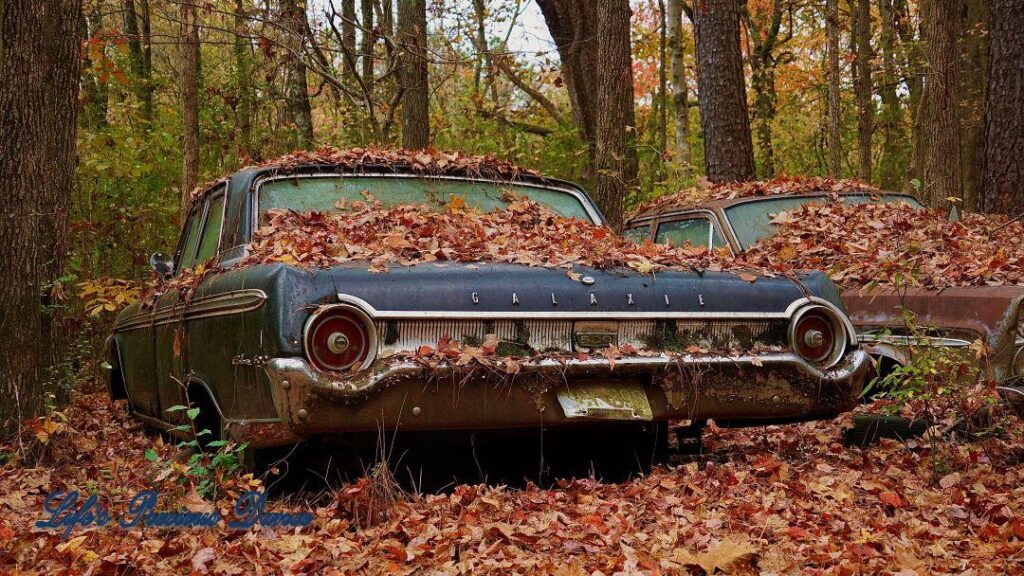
(434, 461)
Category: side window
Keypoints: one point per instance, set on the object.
(211, 228)
(637, 235)
(186, 258)
(699, 232)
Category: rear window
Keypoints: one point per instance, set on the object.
(322, 193)
(751, 221)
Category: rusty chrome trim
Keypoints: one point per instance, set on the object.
(543, 315)
(225, 303)
(298, 370)
(902, 340)
(588, 207)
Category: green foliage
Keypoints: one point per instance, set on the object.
(209, 461)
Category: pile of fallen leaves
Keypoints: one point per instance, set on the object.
(706, 191)
(427, 162)
(893, 244)
(775, 500)
(525, 232)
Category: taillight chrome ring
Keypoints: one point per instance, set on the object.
(818, 335)
(340, 337)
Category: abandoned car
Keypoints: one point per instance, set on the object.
(275, 353)
(953, 317)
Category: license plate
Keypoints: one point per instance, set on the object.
(601, 401)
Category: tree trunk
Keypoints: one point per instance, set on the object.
(913, 76)
(891, 165)
(243, 82)
(862, 86)
(662, 83)
(1003, 173)
(974, 76)
(762, 81)
(189, 70)
(722, 95)
(834, 112)
(573, 26)
(368, 41)
(348, 26)
(615, 160)
(941, 105)
(297, 91)
(94, 88)
(412, 33)
(137, 48)
(679, 89)
(38, 120)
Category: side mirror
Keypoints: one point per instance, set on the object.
(162, 264)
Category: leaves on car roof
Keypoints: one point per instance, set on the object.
(706, 191)
(426, 162)
(893, 244)
(523, 233)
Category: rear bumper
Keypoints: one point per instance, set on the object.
(407, 396)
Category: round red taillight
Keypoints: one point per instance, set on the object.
(340, 338)
(817, 335)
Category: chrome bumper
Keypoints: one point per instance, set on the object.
(778, 386)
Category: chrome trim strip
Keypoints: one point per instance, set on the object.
(255, 216)
(581, 315)
(297, 370)
(552, 315)
(900, 340)
(225, 303)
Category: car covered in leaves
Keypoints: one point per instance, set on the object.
(360, 290)
(911, 277)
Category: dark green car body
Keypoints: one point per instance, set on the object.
(236, 345)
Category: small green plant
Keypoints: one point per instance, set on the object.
(211, 459)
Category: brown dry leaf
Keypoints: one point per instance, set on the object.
(725, 556)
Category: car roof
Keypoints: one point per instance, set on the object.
(723, 203)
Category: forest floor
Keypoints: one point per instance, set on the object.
(773, 500)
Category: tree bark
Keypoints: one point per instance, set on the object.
(722, 95)
(573, 26)
(941, 105)
(663, 63)
(369, 39)
(94, 85)
(413, 79)
(679, 89)
(973, 78)
(1003, 172)
(862, 86)
(913, 75)
(137, 55)
(834, 112)
(243, 81)
(189, 71)
(763, 64)
(891, 165)
(297, 91)
(38, 119)
(615, 160)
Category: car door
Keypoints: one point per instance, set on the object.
(199, 246)
(698, 229)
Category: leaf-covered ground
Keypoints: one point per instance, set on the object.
(776, 500)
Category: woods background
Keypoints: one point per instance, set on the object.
(113, 110)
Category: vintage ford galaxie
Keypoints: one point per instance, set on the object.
(275, 353)
(954, 317)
